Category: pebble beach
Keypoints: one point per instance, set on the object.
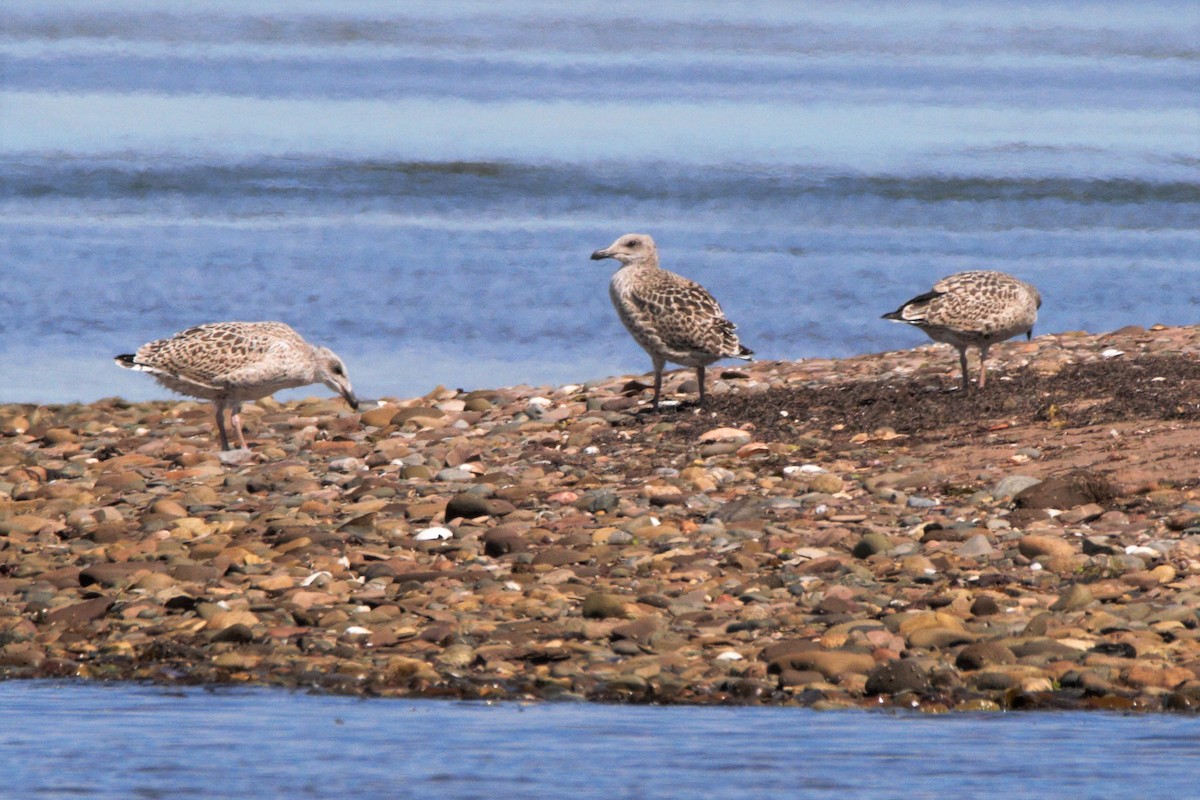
(832, 533)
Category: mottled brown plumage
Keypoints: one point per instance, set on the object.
(973, 309)
(673, 319)
(232, 362)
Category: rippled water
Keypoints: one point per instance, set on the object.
(419, 185)
(95, 740)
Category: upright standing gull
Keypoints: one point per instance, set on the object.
(973, 309)
(672, 318)
(232, 362)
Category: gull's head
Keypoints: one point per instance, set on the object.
(331, 371)
(632, 248)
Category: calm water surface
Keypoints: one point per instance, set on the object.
(88, 740)
(419, 185)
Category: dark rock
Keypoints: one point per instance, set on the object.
(1046, 648)
(181, 602)
(985, 606)
(1067, 491)
(600, 605)
(195, 573)
(1119, 649)
(79, 613)
(898, 675)
(751, 625)
(237, 633)
(378, 569)
(468, 505)
(502, 541)
(598, 500)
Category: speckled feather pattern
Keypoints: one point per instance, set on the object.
(975, 308)
(237, 361)
(671, 317)
(232, 362)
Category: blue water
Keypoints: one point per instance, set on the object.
(419, 185)
(124, 741)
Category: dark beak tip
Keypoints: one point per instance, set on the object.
(599, 255)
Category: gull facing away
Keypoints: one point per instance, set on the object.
(232, 362)
(973, 309)
(673, 319)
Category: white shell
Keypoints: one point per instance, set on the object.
(429, 534)
(322, 575)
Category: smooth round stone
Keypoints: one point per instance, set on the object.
(1010, 486)
(379, 417)
(627, 647)
(498, 542)
(468, 504)
(975, 547)
(826, 483)
(601, 605)
(155, 581)
(1037, 546)
(872, 544)
(457, 656)
(1073, 599)
(985, 606)
(900, 675)
(598, 500)
(455, 475)
(726, 435)
(983, 654)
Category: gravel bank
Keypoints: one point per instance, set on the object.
(831, 533)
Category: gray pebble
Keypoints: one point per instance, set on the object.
(454, 474)
(975, 547)
(1007, 487)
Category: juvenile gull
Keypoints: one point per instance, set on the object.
(232, 362)
(672, 318)
(973, 309)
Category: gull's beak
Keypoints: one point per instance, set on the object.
(345, 391)
(599, 254)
